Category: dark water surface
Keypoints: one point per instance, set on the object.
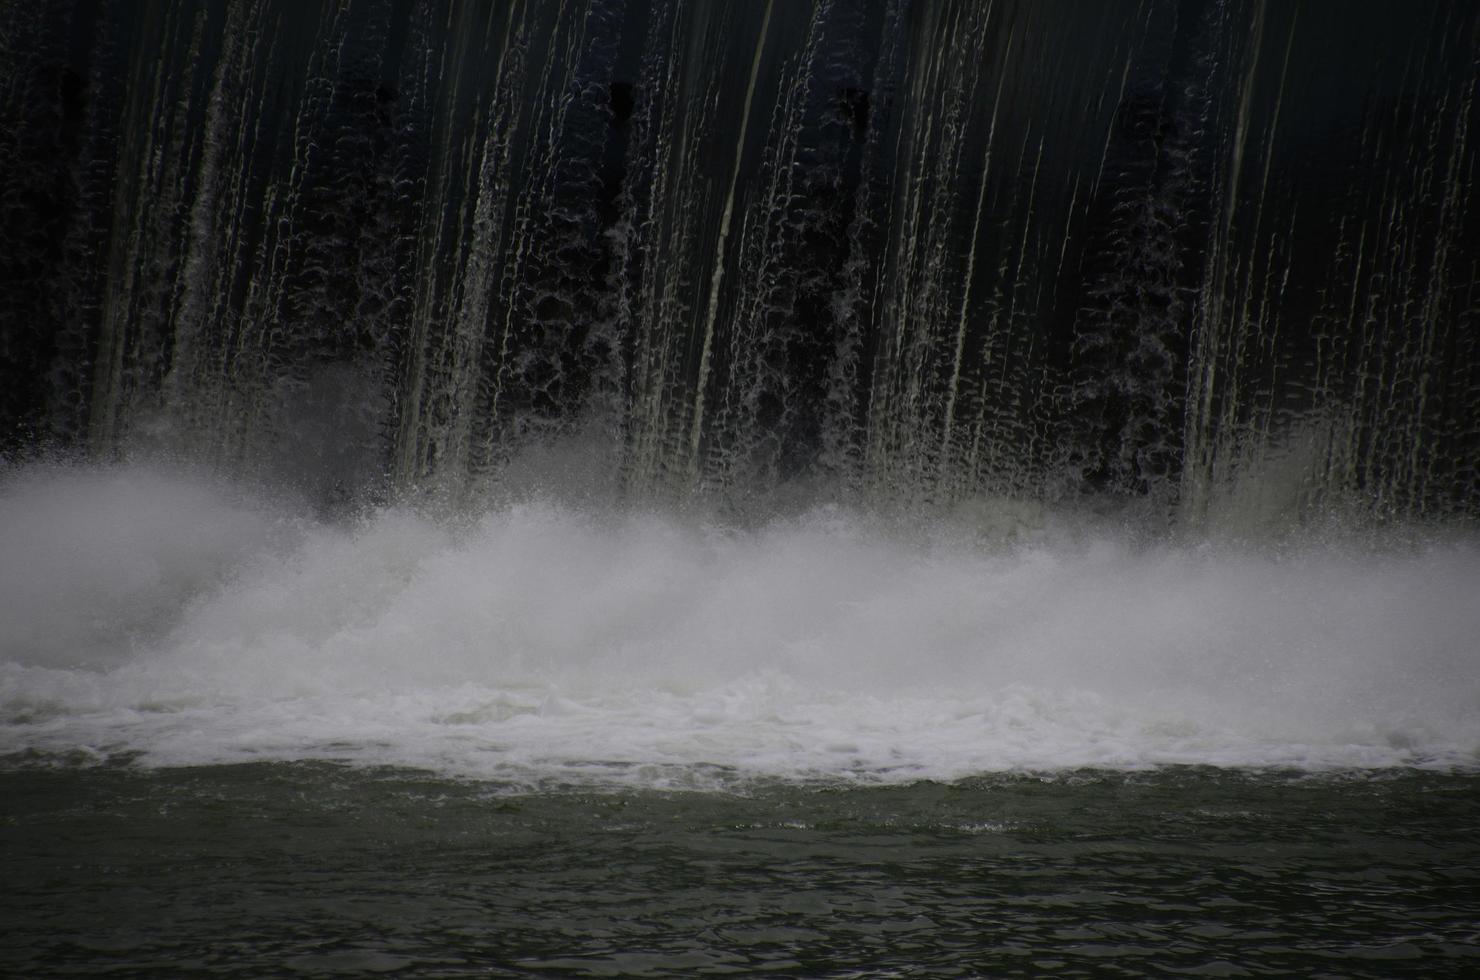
(319, 870)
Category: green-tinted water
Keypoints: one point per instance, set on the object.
(317, 870)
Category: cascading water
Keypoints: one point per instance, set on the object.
(1203, 264)
(775, 487)
(1201, 253)
(998, 295)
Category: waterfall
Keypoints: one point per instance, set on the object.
(1212, 258)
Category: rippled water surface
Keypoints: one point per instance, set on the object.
(322, 870)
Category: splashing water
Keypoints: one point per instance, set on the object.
(182, 621)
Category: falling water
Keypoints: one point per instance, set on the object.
(1211, 256)
(778, 487)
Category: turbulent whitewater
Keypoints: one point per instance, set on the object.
(173, 620)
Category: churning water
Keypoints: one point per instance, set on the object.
(177, 621)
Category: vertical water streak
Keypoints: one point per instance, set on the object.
(1210, 260)
(696, 418)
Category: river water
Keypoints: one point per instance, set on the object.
(319, 870)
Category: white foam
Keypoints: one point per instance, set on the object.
(153, 614)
